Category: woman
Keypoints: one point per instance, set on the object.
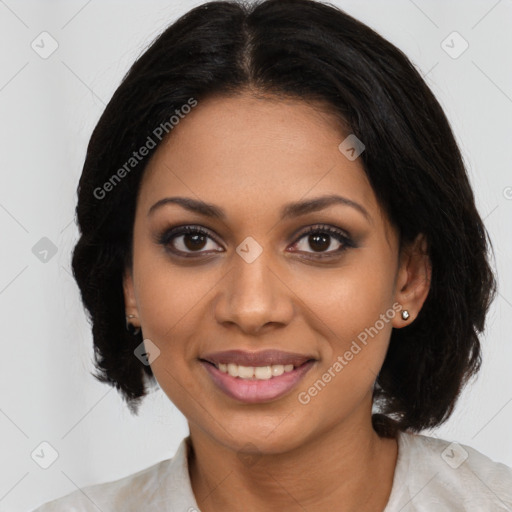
(277, 226)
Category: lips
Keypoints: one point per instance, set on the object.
(261, 358)
(254, 391)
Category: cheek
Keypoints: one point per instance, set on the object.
(169, 308)
(166, 292)
(354, 324)
(351, 310)
(348, 299)
(170, 299)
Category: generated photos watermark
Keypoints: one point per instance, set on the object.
(304, 397)
(137, 156)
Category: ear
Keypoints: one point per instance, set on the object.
(413, 279)
(129, 297)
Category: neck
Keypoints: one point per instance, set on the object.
(346, 465)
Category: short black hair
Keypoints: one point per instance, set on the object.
(307, 50)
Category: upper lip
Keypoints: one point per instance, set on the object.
(262, 358)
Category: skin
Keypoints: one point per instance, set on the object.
(250, 156)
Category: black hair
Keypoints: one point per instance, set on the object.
(307, 50)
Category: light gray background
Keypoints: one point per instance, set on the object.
(48, 108)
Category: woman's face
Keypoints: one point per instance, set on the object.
(254, 279)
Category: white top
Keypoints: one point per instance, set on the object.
(431, 475)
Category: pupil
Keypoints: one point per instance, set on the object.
(319, 241)
(197, 241)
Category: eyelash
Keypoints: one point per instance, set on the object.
(166, 237)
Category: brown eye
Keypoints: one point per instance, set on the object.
(194, 242)
(319, 242)
(187, 240)
(322, 238)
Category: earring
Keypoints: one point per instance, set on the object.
(405, 314)
(132, 329)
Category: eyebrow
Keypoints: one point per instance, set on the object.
(289, 210)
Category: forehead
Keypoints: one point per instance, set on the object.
(262, 152)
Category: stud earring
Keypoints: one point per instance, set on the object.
(405, 314)
(130, 327)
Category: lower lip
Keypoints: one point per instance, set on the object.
(257, 391)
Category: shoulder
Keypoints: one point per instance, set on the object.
(164, 483)
(121, 491)
(433, 472)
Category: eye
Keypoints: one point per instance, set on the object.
(185, 240)
(320, 238)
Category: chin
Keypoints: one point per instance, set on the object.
(264, 438)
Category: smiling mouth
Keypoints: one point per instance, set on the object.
(257, 384)
(266, 372)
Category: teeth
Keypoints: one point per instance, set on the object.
(255, 372)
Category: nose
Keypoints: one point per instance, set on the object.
(254, 296)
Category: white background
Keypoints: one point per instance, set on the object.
(48, 108)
